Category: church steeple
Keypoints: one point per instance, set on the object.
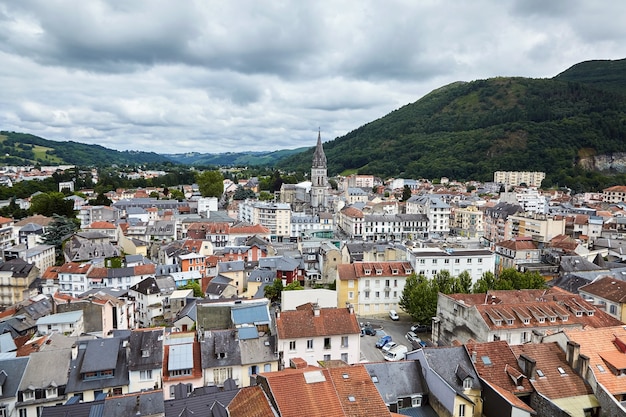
(319, 158)
(319, 178)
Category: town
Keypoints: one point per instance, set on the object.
(483, 299)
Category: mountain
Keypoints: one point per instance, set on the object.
(468, 130)
(26, 149)
(234, 158)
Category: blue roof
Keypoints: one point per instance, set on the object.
(248, 333)
(250, 314)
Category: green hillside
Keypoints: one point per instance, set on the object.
(468, 130)
(26, 149)
(604, 74)
(234, 158)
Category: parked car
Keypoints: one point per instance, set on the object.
(383, 341)
(398, 353)
(393, 315)
(420, 328)
(411, 336)
(389, 346)
(368, 330)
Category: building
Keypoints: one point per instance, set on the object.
(517, 316)
(468, 221)
(372, 287)
(319, 177)
(608, 292)
(274, 216)
(436, 210)
(69, 323)
(431, 261)
(318, 334)
(614, 195)
(16, 280)
(145, 359)
(515, 253)
(514, 178)
(540, 228)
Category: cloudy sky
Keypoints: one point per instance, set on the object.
(221, 76)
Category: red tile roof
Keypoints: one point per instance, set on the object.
(74, 268)
(102, 225)
(377, 270)
(304, 323)
(554, 384)
(250, 402)
(609, 288)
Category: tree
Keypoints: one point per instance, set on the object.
(195, 286)
(272, 292)
(419, 298)
(60, 229)
(294, 285)
(265, 196)
(243, 193)
(51, 203)
(211, 183)
(406, 193)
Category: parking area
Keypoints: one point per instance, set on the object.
(396, 329)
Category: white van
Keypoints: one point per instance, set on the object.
(397, 353)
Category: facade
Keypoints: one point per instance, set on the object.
(514, 178)
(274, 216)
(431, 261)
(516, 316)
(318, 334)
(436, 210)
(495, 223)
(514, 253)
(69, 323)
(539, 227)
(372, 287)
(614, 195)
(145, 359)
(468, 221)
(608, 292)
(16, 279)
(151, 296)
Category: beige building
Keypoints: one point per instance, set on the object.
(469, 221)
(540, 228)
(508, 178)
(616, 194)
(275, 216)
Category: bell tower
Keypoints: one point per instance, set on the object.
(319, 176)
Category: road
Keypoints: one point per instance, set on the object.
(396, 329)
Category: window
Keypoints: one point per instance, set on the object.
(117, 391)
(446, 261)
(467, 383)
(145, 375)
(267, 367)
(326, 357)
(422, 261)
(28, 395)
(350, 283)
(309, 344)
(461, 410)
(145, 353)
(344, 357)
(253, 370)
(51, 392)
(221, 374)
(350, 295)
(180, 372)
(327, 343)
(456, 261)
(22, 412)
(612, 309)
(292, 345)
(469, 260)
(367, 294)
(367, 283)
(344, 341)
(387, 283)
(377, 294)
(3, 411)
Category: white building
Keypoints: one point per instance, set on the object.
(69, 323)
(437, 211)
(275, 216)
(430, 261)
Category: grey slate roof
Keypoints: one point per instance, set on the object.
(396, 379)
(149, 341)
(222, 343)
(250, 314)
(46, 368)
(95, 355)
(136, 404)
(258, 350)
(11, 373)
(201, 403)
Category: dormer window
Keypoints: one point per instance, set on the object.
(28, 395)
(579, 314)
(542, 319)
(51, 392)
(145, 353)
(367, 271)
(394, 271)
(467, 383)
(220, 355)
(509, 322)
(526, 321)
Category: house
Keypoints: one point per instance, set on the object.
(211, 402)
(609, 292)
(372, 287)
(400, 384)
(73, 278)
(69, 323)
(11, 373)
(151, 295)
(186, 318)
(124, 277)
(44, 382)
(334, 391)
(517, 316)
(597, 355)
(145, 359)
(16, 279)
(515, 253)
(506, 389)
(436, 210)
(558, 389)
(453, 384)
(98, 366)
(182, 362)
(431, 261)
(318, 334)
(148, 403)
(87, 246)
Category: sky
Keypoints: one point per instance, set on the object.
(229, 76)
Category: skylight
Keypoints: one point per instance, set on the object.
(486, 360)
(561, 370)
(351, 399)
(540, 373)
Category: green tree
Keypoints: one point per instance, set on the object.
(195, 286)
(60, 229)
(419, 298)
(243, 193)
(177, 195)
(272, 292)
(406, 193)
(211, 183)
(463, 283)
(294, 285)
(52, 203)
(265, 196)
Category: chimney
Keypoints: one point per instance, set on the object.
(74, 351)
(350, 308)
(572, 353)
(528, 366)
(583, 365)
(316, 310)
(473, 356)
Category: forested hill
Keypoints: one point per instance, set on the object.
(26, 149)
(468, 130)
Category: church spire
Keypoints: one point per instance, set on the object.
(319, 158)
